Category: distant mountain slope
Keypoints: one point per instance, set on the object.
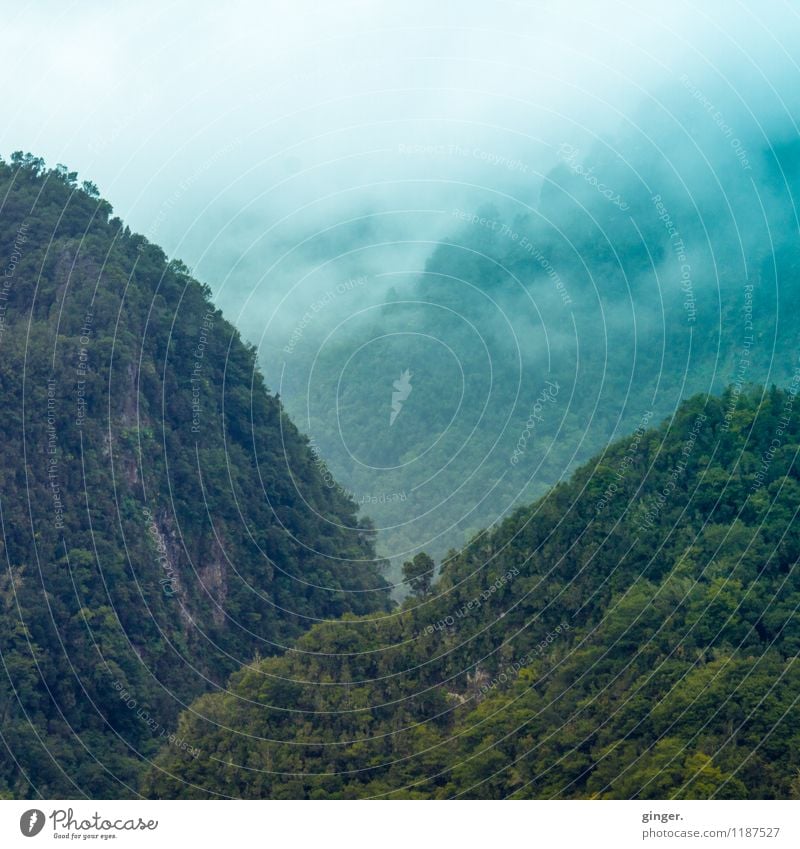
(163, 522)
(632, 634)
(549, 326)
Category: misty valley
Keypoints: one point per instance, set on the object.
(421, 419)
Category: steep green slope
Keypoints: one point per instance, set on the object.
(163, 522)
(632, 634)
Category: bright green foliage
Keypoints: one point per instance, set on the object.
(592, 645)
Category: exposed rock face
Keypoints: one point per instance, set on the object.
(150, 485)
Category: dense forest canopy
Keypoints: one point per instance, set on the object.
(633, 634)
(421, 423)
(193, 606)
(163, 521)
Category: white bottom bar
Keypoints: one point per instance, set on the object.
(402, 825)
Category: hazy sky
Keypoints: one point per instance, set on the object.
(231, 133)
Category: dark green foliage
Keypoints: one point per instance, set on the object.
(418, 572)
(634, 640)
(163, 522)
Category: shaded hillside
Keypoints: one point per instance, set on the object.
(163, 521)
(632, 634)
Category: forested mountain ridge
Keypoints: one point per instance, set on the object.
(163, 521)
(634, 633)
